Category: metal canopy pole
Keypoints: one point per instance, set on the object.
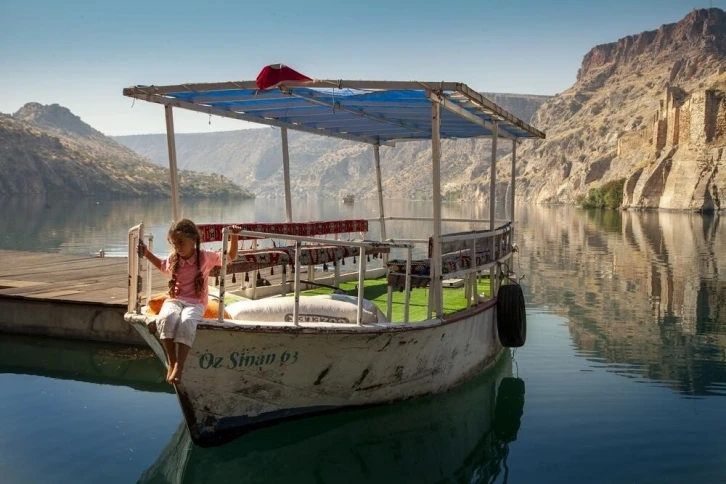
(511, 194)
(286, 175)
(492, 208)
(436, 266)
(171, 145)
(377, 155)
(493, 176)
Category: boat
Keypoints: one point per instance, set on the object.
(460, 436)
(282, 354)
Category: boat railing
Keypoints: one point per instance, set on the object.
(362, 245)
(135, 267)
(135, 281)
(464, 255)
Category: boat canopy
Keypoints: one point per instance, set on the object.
(374, 112)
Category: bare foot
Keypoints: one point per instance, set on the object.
(169, 371)
(175, 376)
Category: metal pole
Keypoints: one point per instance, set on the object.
(407, 296)
(436, 177)
(361, 283)
(223, 271)
(493, 176)
(171, 145)
(377, 155)
(296, 307)
(511, 194)
(286, 175)
(493, 205)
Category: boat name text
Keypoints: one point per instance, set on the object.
(243, 359)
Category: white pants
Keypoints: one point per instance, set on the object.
(178, 321)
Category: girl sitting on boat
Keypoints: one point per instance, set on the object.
(189, 266)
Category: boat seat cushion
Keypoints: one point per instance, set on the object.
(323, 308)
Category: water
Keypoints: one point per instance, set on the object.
(622, 378)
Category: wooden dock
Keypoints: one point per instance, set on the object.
(66, 296)
(72, 296)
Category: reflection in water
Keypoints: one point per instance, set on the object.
(460, 436)
(644, 292)
(87, 226)
(138, 368)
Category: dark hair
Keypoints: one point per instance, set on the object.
(185, 228)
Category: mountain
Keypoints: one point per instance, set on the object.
(328, 166)
(646, 112)
(49, 150)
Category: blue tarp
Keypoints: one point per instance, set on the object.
(384, 115)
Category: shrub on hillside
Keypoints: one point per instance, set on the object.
(610, 195)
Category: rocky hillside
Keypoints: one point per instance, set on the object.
(648, 110)
(47, 149)
(328, 166)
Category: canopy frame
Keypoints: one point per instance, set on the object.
(379, 113)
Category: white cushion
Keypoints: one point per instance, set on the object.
(333, 308)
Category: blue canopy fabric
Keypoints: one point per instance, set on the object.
(369, 115)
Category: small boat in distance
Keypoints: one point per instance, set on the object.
(349, 198)
(273, 358)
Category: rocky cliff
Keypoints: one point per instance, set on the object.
(647, 110)
(49, 150)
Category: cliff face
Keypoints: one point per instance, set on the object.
(49, 150)
(645, 109)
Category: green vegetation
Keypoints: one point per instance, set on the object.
(608, 220)
(610, 195)
(376, 291)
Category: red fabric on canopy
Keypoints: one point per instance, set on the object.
(274, 74)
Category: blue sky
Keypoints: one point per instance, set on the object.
(82, 53)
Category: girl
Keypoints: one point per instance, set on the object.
(189, 266)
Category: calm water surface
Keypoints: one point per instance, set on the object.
(622, 379)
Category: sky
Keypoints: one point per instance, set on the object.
(82, 53)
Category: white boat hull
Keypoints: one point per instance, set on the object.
(461, 436)
(240, 377)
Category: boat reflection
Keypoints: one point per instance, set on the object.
(462, 435)
(133, 367)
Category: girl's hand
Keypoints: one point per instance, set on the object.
(141, 248)
(235, 228)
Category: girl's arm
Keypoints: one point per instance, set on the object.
(233, 242)
(144, 252)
